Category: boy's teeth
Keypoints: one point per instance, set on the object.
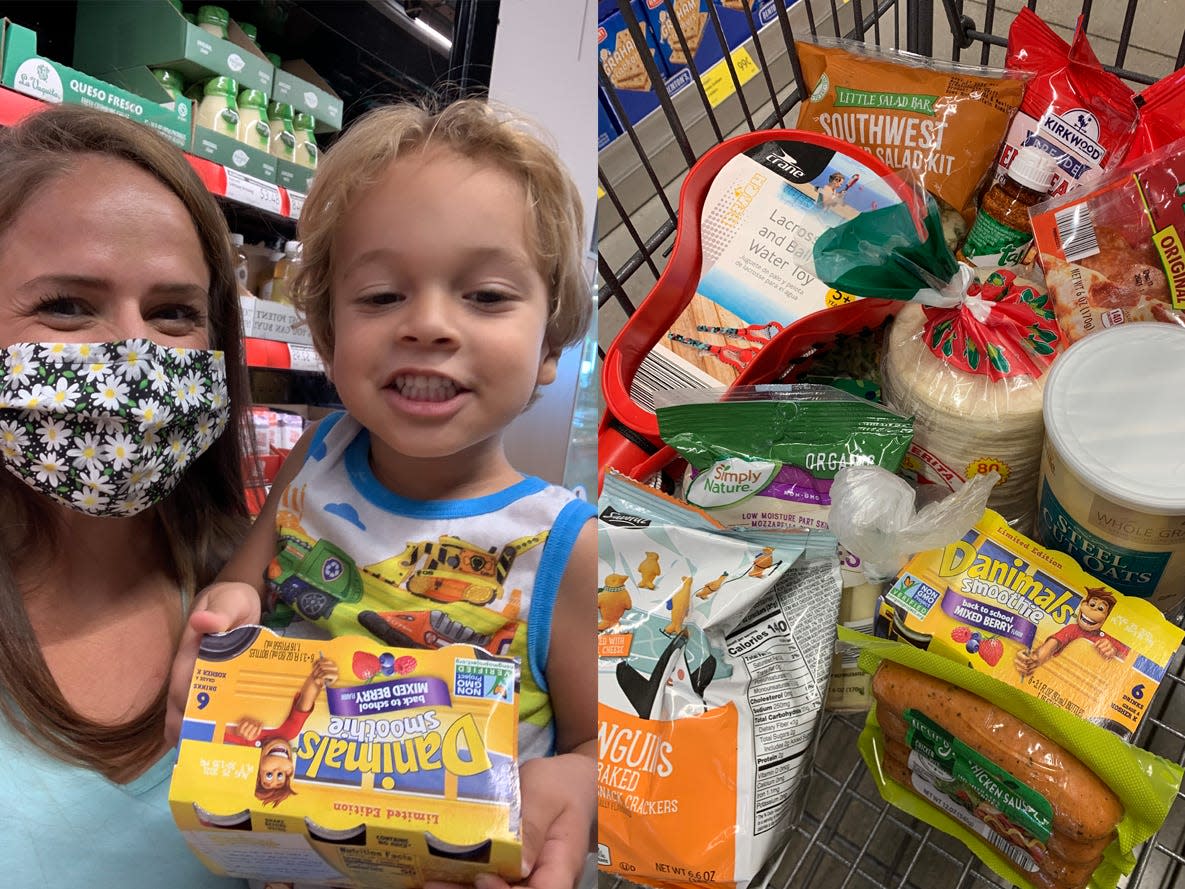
(424, 388)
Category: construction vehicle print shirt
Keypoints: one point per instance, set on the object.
(355, 558)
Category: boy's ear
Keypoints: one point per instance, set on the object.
(547, 366)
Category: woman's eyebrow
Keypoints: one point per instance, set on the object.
(60, 280)
(179, 289)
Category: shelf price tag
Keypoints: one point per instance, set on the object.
(718, 84)
(304, 358)
(256, 192)
(295, 203)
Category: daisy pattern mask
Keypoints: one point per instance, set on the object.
(108, 429)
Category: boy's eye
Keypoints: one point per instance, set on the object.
(488, 297)
(382, 299)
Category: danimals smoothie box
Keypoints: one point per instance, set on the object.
(345, 762)
(1032, 618)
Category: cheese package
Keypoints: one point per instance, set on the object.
(1033, 619)
(345, 762)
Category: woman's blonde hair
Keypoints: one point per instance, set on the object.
(205, 516)
(475, 130)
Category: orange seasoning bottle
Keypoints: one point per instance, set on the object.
(1001, 233)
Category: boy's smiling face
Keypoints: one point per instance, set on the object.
(439, 314)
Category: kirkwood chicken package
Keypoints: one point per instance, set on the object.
(714, 653)
(347, 763)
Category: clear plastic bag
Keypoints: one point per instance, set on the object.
(874, 516)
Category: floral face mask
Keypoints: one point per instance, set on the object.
(108, 429)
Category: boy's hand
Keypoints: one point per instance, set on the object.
(219, 607)
(559, 807)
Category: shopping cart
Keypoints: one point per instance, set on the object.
(847, 836)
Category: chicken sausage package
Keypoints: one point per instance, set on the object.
(1114, 252)
(714, 650)
(1042, 797)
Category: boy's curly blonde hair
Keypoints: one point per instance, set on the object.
(475, 130)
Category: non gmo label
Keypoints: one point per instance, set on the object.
(493, 680)
(913, 595)
(1129, 571)
(730, 481)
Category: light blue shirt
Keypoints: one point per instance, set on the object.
(66, 827)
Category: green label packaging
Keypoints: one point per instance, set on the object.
(984, 796)
(27, 72)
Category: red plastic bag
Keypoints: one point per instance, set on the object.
(1162, 115)
(1075, 110)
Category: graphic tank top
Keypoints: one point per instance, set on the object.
(355, 558)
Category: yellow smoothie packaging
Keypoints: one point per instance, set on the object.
(1033, 619)
(403, 770)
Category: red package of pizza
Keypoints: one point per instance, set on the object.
(1162, 115)
(1114, 251)
(1081, 114)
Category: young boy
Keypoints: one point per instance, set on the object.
(441, 278)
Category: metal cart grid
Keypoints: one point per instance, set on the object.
(847, 836)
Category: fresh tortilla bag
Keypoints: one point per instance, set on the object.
(941, 121)
(967, 363)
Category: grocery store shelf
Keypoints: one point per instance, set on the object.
(240, 188)
(221, 181)
(276, 355)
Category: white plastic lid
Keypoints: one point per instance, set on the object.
(1033, 168)
(292, 248)
(1113, 413)
(236, 239)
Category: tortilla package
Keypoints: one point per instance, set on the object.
(942, 121)
(714, 648)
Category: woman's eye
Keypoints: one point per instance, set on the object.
(180, 313)
(177, 320)
(62, 307)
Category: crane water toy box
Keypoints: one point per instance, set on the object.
(349, 763)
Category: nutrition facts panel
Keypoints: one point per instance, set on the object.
(783, 693)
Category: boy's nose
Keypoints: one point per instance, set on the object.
(432, 320)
